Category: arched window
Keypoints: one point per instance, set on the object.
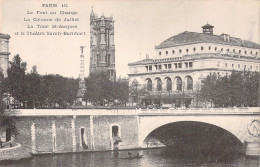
(194, 49)
(209, 47)
(178, 84)
(202, 48)
(187, 50)
(168, 84)
(180, 50)
(221, 49)
(216, 48)
(160, 53)
(245, 51)
(234, 50)
(166, 52)
(159, 84)
(189, 83)
(149, 85)
(173, 52)
(251, 52)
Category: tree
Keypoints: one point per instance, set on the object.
(32, 88)
(121, 91)
(99, 88)
(137, 92)
(55, 89)
(208, 88)
(16, 78)
(222, 96)
(251, 89)
(5, 121)
(238, 89)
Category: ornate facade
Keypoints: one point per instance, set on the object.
(182, 61)
(4, 53)
(102, 48)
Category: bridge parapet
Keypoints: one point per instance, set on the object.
(170, 111)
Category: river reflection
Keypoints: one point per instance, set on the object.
(161, 157)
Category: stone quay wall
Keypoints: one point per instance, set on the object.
(44, 131)
(13, 153)
(57, 133)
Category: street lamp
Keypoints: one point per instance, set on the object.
(135, 83)
(183, 101)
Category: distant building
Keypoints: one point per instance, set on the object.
(4, 53)
(102, 48)
(182, 61)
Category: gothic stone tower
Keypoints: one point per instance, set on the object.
(4, 53)
(102, 48)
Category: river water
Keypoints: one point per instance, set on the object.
(159, 157)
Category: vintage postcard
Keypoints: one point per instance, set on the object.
(119, 83)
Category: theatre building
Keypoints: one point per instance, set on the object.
(173, 76)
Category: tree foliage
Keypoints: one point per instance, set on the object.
(238, 89)
(5, 120)
(101, 90)
(137, 92)
(38, 91)
(15, 81)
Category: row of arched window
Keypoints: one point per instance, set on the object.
(209, 48)
(180, 85)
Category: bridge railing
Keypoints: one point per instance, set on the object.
(75, 112)
(203, 110)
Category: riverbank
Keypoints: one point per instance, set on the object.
(13, 153)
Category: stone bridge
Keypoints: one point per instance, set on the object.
(76, 130)
(234, 121)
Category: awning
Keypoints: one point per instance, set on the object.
(117, 138)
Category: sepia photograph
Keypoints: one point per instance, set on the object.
(129, 83)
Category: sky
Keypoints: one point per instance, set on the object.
(139, 27)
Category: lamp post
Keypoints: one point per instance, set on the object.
(160, 98)
(135, 84)
(183, 101)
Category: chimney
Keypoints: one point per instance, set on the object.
(226, 37)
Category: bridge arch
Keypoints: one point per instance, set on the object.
(188, 134)
(233, 126)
